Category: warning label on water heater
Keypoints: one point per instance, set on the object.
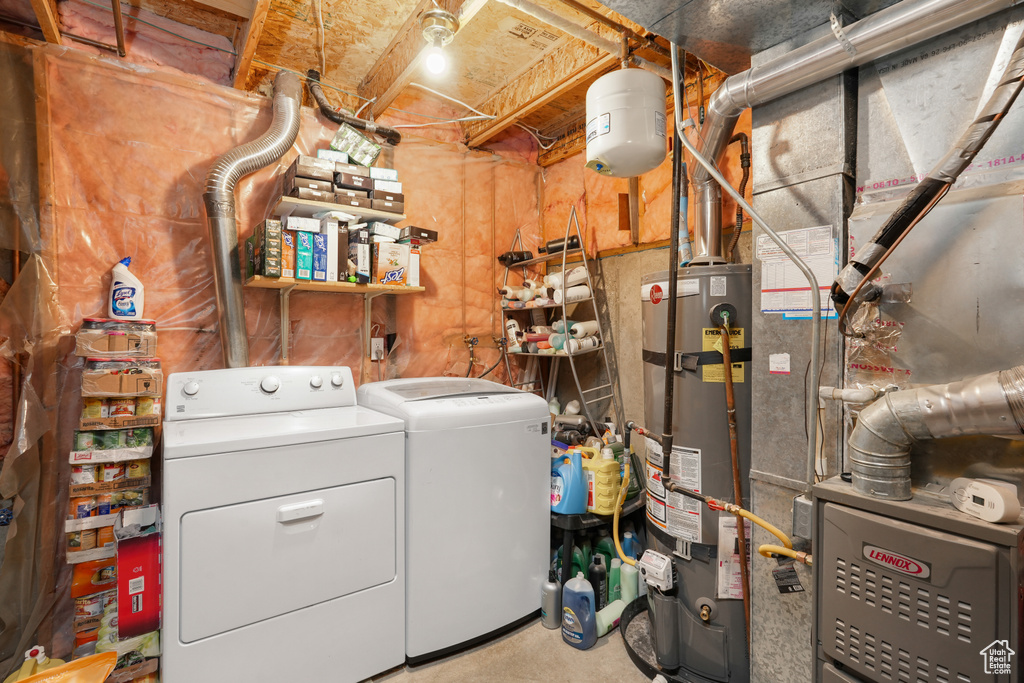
(674, 513)
(713, 342)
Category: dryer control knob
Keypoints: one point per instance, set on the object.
(270, 384)
(190, 388)
(337, 380)
(316, 382)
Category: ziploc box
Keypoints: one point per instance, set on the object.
(331, 232)
(391, 263)
(303, 255)
(359, 253)
(320, 257)
(287, 253)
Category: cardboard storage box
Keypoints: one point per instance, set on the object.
(378, 173)
(302, 224)
(384, 230)
(352, 181)
(290, 182)
(332, 155)
(122, 377)
(346, 192)
(359, 254)
(358, 202)
(139, 579)
(384, 205)
(387, 186)
(314, 195)
(390, 264)
(311, 167)
(388, 196)
(421, 234)
(354, 169)
(116, 338)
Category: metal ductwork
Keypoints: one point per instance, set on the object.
(990, 404)
(219, 197)
(886, 31)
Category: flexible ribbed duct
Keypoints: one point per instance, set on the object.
(219, 197)
(880, 443)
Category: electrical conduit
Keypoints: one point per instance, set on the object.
(219, 198)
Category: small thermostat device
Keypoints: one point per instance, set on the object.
(656, 569)
(987, 499)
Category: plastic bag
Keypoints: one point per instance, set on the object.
(92, 669)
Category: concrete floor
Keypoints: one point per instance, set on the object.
(531, 653)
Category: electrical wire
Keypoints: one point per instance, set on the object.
(537, 137)
(365, 105)
(438, 123)
(451, 99)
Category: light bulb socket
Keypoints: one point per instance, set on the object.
(439, 26)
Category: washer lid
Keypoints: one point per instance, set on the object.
(443, 403)
(248, 432)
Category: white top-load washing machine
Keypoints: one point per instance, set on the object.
(284, 528)
(478, 477)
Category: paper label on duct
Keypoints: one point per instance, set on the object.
(730, 581)
(713, 342)
(778, 363)
(784, 289)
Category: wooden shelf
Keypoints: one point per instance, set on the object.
(316, 286)
(294, 206)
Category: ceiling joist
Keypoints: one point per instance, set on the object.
(564, 68)
(395, 68)
(46, 15)
(247, 40)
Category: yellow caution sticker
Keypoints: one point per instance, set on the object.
(713, 342)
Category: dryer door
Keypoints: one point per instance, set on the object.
(278, 555)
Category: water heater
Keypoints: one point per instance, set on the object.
(626, 123)
(698, 650)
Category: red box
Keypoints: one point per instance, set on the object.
(139, 593)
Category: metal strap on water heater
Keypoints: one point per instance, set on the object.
(689, 362)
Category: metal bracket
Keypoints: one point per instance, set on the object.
(836, 23)
(284, 295)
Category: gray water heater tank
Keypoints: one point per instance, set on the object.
(716, 650)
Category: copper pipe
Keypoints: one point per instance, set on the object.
(89, 41)
(737, 485)
(616, 26)
(118, 27)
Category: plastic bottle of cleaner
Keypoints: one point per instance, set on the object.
(551, 602)
(605, 546)
(579, 627)
(615, 581)
(569, 486)
(127, 296)
(628, 545)
(598, 576)
(608, 618)
(578, 562)
(602, 483)
(629, 576)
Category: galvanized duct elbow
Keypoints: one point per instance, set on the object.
(219, 197)
(888, 30)
(880, 444)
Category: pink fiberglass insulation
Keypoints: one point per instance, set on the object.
(130, 153)
(20, 10)
(148, 46)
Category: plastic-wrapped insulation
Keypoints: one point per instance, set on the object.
(390, 135)
(927, 193)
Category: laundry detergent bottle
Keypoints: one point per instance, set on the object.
(579, 626)
(127, 296)
(568, 485)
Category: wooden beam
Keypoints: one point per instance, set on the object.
(397, 65)
(568, 144)
(557, 72)
(247, 40)
(240, 8)
(46, 14)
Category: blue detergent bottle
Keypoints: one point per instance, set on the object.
(568, 485)
(579, 623)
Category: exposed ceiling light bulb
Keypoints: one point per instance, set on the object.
(436, 61)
